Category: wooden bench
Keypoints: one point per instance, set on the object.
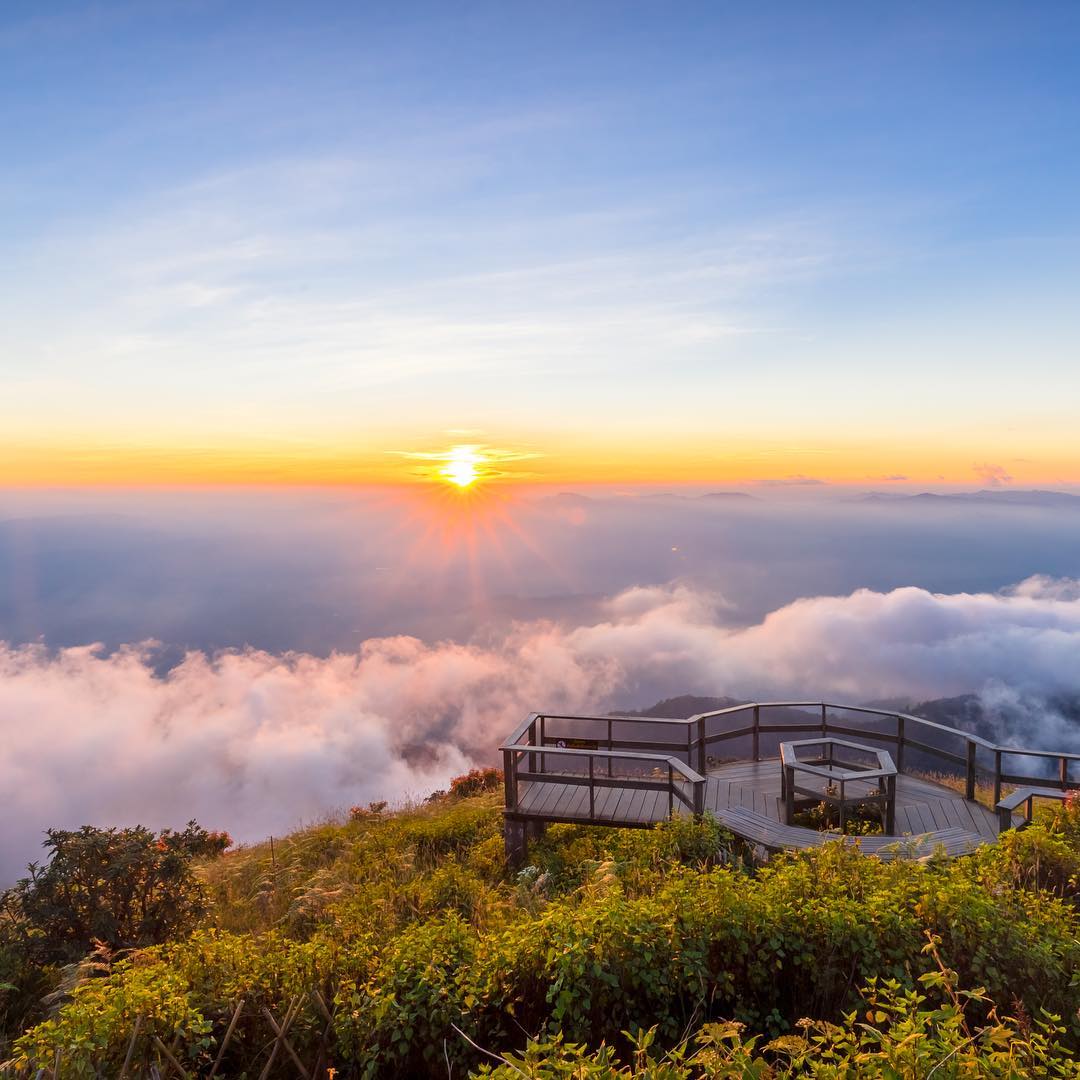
(774, 836)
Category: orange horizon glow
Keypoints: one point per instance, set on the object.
(579, 462)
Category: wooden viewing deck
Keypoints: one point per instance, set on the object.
(638, 771)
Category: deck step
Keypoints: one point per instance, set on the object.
(777, 837)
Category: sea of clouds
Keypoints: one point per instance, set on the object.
(256, 742)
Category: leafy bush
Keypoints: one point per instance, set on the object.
(123, 887)
(475, 782)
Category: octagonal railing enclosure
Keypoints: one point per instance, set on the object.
(828, 771)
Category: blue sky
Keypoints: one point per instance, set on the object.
(742, 241)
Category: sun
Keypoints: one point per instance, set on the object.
(463, 466)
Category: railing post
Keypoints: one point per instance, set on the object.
(699, 798)
(543, 759)
(1064, 773)
(824, 719)
(756, 737)
(701, 745)
(532, 742)
(789, 793)
(969, 790)
(592, 789)
(997, 777)
(901, 731)
(670, 791)
(890, 805)
(509, 780)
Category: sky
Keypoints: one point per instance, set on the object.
(607, 243)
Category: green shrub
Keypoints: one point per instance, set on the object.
(396, 1024)
(124, 887)
(896, 1034)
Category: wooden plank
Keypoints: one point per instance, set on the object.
(575, 803)
(654, 807)
(548, 799)
(903, 822)
(951, 809)
(986, 820)
(606, 798)
(624, 800)
(611, 802)
(710, 794)
(525, 795)
(536, 797)
(937, 809)
(722, 794)
(646, 804)
(568, 798)
(636, 803)
(970, 815)
(923, 811)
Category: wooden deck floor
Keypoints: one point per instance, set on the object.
(921, 805)
(746, 797)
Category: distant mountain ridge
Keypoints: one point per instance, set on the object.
(683, 707)
(992, 496)
(576, 498)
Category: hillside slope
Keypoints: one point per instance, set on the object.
(398, 945)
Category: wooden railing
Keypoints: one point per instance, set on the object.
(600, 741)
(532, 756)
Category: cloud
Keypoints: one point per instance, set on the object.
(992, 475)
(908, 643)
(254, 742)
(795, 480)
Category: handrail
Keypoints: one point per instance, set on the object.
(1027, 795)
(523, 727)
(844, 774)
(614, 716)
(891, 714)
(679, 766)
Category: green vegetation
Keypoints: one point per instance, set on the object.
(662, 954)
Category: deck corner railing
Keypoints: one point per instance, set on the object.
(530, 756)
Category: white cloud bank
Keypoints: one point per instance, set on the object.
(253, 742)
